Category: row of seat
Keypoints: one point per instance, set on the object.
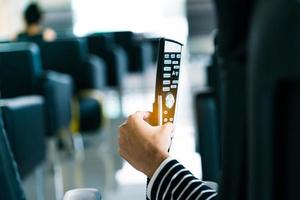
(53, 90)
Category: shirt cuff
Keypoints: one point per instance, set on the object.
(153, 178)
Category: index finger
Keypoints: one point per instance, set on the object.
(145, 115)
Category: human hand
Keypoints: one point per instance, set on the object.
(144, 146)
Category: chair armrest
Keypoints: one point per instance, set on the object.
(24, 122)
(57, 88)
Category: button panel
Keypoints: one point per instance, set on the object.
(171, 67)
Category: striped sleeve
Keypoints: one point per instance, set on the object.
(173, 181)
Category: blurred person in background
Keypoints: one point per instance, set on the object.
(33, 16)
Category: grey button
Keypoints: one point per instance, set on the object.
(168, 62)
(165, 112)
(178, 56)
(176, 67)
(166, 89)
(175, 82)
(165, 119)
(175, 62)
(173, 86)
(171, 119)
(172, 55)
(167, 69)
(167, 75)
(166, 82)
(167, 55)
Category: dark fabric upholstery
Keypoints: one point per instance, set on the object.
(274, 85)
(90, 114)
(208, 135)
(21, 74)
(24, 122)
(10, 183)
(138, 50)
(114, 56)
(71, 56)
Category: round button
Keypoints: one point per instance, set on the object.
(171, 119)
(170, 100)
(165, 120)
(165, 112)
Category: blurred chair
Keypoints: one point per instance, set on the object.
(23, 119)
(10, 183)
(21, 74)
(274, 102)
(137, 48)
(208, 104)
(154, 42)
(71, 56)
(115, 57)
(208, 137)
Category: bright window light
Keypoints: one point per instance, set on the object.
(161, 17)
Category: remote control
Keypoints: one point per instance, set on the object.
(167, 80)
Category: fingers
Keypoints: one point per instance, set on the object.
(143, 114)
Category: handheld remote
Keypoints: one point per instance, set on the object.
(167, 79)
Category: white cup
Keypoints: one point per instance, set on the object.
(83, 194)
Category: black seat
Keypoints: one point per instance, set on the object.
(114, 56)
(208, 120)
(10, 183)
(71, 56)
(274, 96)
(208, 137)
(21, 74)
(138, 50)
(23, 119)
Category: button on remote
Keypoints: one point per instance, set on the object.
(167, 69)
(170, 100)
(167, 75)
(168, 62)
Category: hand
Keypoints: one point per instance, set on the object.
(144, 146)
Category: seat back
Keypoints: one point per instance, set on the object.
(274, 96)
(20, 67)
(114, 56)
(10, 183)
(65, 56)
(139, 50)
(100, 43)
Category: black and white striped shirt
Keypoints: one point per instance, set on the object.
(172, 181)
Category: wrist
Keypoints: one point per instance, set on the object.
(154, 162)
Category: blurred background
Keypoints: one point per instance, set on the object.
(70, 77)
